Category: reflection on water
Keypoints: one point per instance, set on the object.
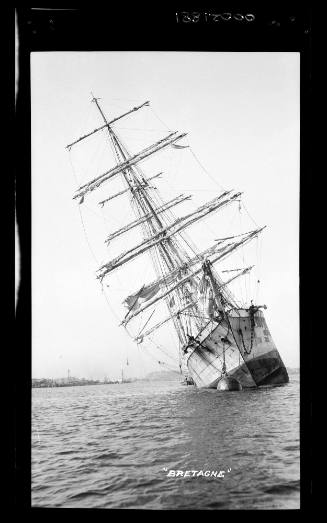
(108, 445)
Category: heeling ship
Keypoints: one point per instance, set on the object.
(217, 336)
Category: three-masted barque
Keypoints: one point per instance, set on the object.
(218, 338)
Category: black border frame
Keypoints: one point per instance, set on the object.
(148, 28)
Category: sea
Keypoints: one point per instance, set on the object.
(159, 445)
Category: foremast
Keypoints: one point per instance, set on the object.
(170, 257)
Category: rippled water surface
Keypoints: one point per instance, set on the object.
(107, 446)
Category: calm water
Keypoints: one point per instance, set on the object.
(106, 446)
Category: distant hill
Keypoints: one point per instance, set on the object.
(162, 375)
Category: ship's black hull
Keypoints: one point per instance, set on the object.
(268, 371)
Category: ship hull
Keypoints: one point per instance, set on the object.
(265, 370)
(250, 353)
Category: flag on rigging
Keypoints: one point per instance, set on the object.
(134, 301)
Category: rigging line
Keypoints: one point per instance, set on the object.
(96, 154)
(241, 258)
(101, 217)
(157, 346)
(241, 229)
(170, 243)
(204, 169)
(113, 149)
(158, 118)
(126, 183)
(112, 309)
(150, 354)
(258, 255)
(176, 322)
(140, 156)
(185, 235)
(116, 153)
(86, 119)
(225, 290)
(195, 315)
(136, 129)
(105, 220)
(256, 289)
(259, 258)
(154, 254)
(247, 212)
(149, 199)
(170, 217)
(167, 353)
(190, 189)
(189, 245)
(147, 321)
(81, 217)
(86, 236)
(73, 168)
(232, 219)
(210, 322)
(169, 366)
(143, 365)
(161, 268)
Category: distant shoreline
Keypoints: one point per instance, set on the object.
(48, 384)
(160, 376)
(40, 383)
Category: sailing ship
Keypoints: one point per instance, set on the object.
(217, 335)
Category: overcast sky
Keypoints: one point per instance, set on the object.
(241, 113)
